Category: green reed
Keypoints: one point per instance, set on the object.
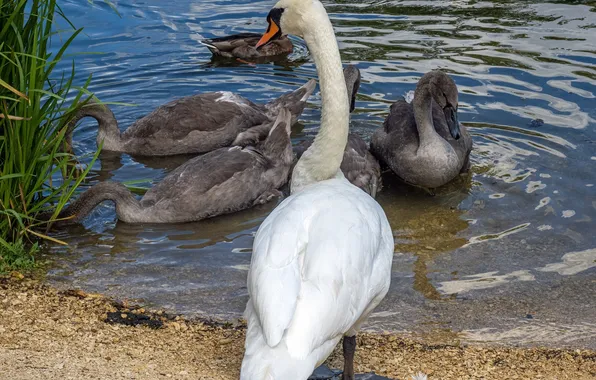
(35, 173)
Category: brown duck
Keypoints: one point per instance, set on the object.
(243, 46)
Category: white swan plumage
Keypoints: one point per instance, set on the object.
(322, 259)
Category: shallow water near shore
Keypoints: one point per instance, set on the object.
(505, 255)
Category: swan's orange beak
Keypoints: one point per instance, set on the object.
(272, 32)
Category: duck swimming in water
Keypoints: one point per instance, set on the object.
(220, 182)
(359, 166)
(423, 142)
(242, 46)
(193, 124)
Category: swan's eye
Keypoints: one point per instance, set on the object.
(275, 16)
(274, 28)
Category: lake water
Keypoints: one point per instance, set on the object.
(507, 255)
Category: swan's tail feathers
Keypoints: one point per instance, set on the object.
(294, 101)
(262, 362)
(271, 138)
(419, 376)
(77, 210)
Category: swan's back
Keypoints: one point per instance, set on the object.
(325, 251)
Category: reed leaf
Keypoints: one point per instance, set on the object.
(35, 175)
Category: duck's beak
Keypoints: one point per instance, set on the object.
(452, 121)
(273, 31)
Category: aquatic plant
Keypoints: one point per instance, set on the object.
(34, 172)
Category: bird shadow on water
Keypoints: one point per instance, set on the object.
(424, 225)
(281, 61)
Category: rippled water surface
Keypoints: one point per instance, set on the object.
(506, 255)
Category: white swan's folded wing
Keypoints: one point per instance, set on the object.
(274, 276)
(345, 272)
(320, 260)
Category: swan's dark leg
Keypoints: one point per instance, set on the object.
(267, 196)
(349, 346)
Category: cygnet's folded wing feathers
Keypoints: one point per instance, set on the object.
(400, 118)
(359, 166)
(204, 112)
(203, 173)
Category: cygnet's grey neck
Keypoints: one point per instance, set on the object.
(108, 132)
(422, 104)
(323, 159)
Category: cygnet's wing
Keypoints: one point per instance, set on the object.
(215, 112)
(211, 171)
(400, 119)
(360, 167)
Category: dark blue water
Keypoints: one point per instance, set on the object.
(514, 240)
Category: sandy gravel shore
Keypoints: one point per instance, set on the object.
(50, 334)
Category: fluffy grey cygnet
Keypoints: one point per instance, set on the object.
(193, 124)
(423, 142)
(220, 182)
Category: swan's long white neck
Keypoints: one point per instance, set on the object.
(323, 159)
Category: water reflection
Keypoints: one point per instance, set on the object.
(518, 227)
(423, 225)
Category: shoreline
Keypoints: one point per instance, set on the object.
(60, 334)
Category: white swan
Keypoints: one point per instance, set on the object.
(322, 259)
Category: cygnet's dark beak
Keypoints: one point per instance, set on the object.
(452, 121)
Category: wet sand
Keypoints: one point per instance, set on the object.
(47, 333)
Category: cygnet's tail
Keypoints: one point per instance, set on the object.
(294, 101)
(77, 210)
